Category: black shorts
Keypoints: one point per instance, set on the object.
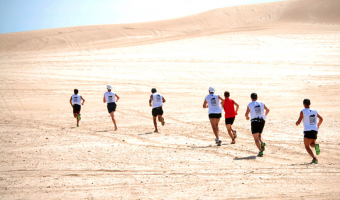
(215, 115)
(157, 111)
(311, 134)
(111, 107)
(229, 120)
(257, 127)
(76, 108)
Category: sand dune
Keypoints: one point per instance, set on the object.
(284, 51)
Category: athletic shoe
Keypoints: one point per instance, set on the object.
(317, 149)
(218, 142)
(260, 154)
(77, 125)
(262, 146)
(162, 120)
(233, 142)
(79, 117)
(156, 131)
(314, 161)
(235, 134)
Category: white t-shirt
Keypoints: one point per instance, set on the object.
(110, 97)
(76, 99)
(157, 100)
(310, 119)
(214, 104)
(257, 110)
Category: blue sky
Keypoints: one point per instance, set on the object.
(26, 15)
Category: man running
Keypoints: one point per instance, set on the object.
(311, 127)
(111, 98)
(156, 102)
(215, 110)
(230, 113)
(258, 117)
(75, 102)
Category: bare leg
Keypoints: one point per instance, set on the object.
(260, 138)
(308, 142)
(257, 140)
(113, 119)
(230, 131)
(155, 123)
(76, 116)
(214, 125)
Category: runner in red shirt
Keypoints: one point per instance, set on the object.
(230, 113)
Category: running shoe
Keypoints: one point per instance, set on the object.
(235, 134)
(162, 120)
(260, 154)
(79, 116)
(262, 146)
(77, 125)
(156, 131)
(314, 161)
(233, 142)
(317, 149)
(218, 142)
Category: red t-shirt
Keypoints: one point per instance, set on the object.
(229, 108)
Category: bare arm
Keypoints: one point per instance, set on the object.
(117, 97)
(237, 107)
(104, 100)
(320, 120)
(150, 100)
(247, 113)
(205, 104)
(222, 101)
(300, 119)
(163, 99)
(83, 100)
(71, 102)
(267, 110)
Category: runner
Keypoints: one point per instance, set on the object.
(230, 113)
(311, 127)
(75, 102)
(215, 110)
(157, 102)
(111, 98)
(258, 117)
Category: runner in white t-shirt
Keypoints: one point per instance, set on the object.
(214, 103)
(111, 98)
(258, 117)
(311, 126)
(75, 102)
(156, 102)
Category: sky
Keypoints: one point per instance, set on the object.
(27, 15)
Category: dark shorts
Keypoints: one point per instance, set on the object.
(229, 120)
(215, 115)
(111, 107)
(157, 111)
(257, 127)
(311, 134)
(76, 108)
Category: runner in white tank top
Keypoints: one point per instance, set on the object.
(156, 102)
(311, 126)
(214, 102)
(75, 102)
(111, 98)
(258, 112)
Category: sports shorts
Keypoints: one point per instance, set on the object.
(229, 120)
(215, 115)
(311, 134)
(157, 111)
(111, 107)
(76, 108)
(257, 127)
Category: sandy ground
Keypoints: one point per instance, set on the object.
(44, 155)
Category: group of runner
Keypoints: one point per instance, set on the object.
(257, 110)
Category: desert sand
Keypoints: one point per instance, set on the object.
(283, 51)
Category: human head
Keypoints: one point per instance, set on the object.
(211, 90)
(75, 91)
(226, 94)
(253, 96)
(306, 103)
(108, 87)
(153, 90)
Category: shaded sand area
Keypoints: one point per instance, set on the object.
(284, 51)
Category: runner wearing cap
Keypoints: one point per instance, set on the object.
(156, 102)
(214, 102)
(230, 113)
(258, 117)
(311, 126)
(111, 98)
(75, 102)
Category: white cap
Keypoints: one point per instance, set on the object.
(108, 87)
(211, 89)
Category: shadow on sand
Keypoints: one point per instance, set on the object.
(102, 131)
(148, 133)
(245, 158)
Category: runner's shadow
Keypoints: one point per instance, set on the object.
(245, 158)
(301, 164)
(102, 131)
(148, 133)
